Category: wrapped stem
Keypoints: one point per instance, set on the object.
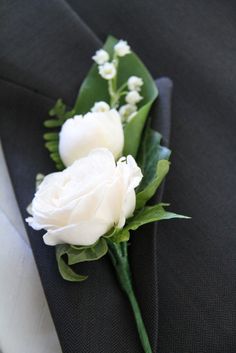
(119, 257)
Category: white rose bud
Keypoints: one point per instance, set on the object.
(122, 48)
(107, 71)
(80, 204)
(127, 110)
(81, 134)
(133, 97)
(101, 56)
(100, 107)
(135, 83)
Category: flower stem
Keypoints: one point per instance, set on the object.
(119, 257)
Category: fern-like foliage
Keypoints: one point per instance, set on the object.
(59, 114)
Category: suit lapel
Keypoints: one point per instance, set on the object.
(144, 251)
(45, 47)
(39, 65)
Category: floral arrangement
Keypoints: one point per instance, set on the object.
(110, 163)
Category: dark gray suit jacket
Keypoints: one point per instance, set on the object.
(185, 272)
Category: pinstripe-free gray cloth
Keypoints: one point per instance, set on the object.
(25, 322)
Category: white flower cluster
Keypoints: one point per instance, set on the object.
(133, 97)
(96, 191)
(107, 69)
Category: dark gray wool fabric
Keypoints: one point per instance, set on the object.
(184, 271)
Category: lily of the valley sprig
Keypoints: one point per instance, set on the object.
(111, 164)
(130, 89)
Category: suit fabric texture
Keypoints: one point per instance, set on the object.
(184, 271)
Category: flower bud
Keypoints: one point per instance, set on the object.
(100, 107)
(101, 56)
(133, 97)
(126, 111)
(122, 48)
(107, 71)
(135, 83)
(81, 134)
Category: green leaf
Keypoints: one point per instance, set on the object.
(94, 88)
(117, 235)
(55, 157)
(145, 195)
(78, 254)
(133, 130)
(60, 114)
(52, 146)
(52, 123)
(149, 154)
(58, 109)
(66, 271)
(60, 166)
(111, 233)
(51, 136)
(150, 214)
(120, 236)
(153, 160)
(92, 253)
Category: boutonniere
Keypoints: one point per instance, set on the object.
(110, 165)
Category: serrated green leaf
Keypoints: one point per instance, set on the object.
(60, 166)
(61, 115)
(58, 109)
(94, 89)
(55, 157)
(69, 114)
(149, 154)
(92, 253)
(52, 146)
(51, 136)
(146, 194)
(66, 271)
(51, 123)
(151, 214)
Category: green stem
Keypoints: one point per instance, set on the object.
(119, 257)
(114, 98)
(122, 87)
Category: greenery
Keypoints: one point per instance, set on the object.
(141, 142)
(150, 155)
(68, 255)
(93, 89)
(58, 114)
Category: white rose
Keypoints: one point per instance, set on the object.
(81, 134)
(101, 56)
(107, 71)
(135, 83)
(127, 110)
(80, 204)
(133, 97)
(100, 107)
(122, 48)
